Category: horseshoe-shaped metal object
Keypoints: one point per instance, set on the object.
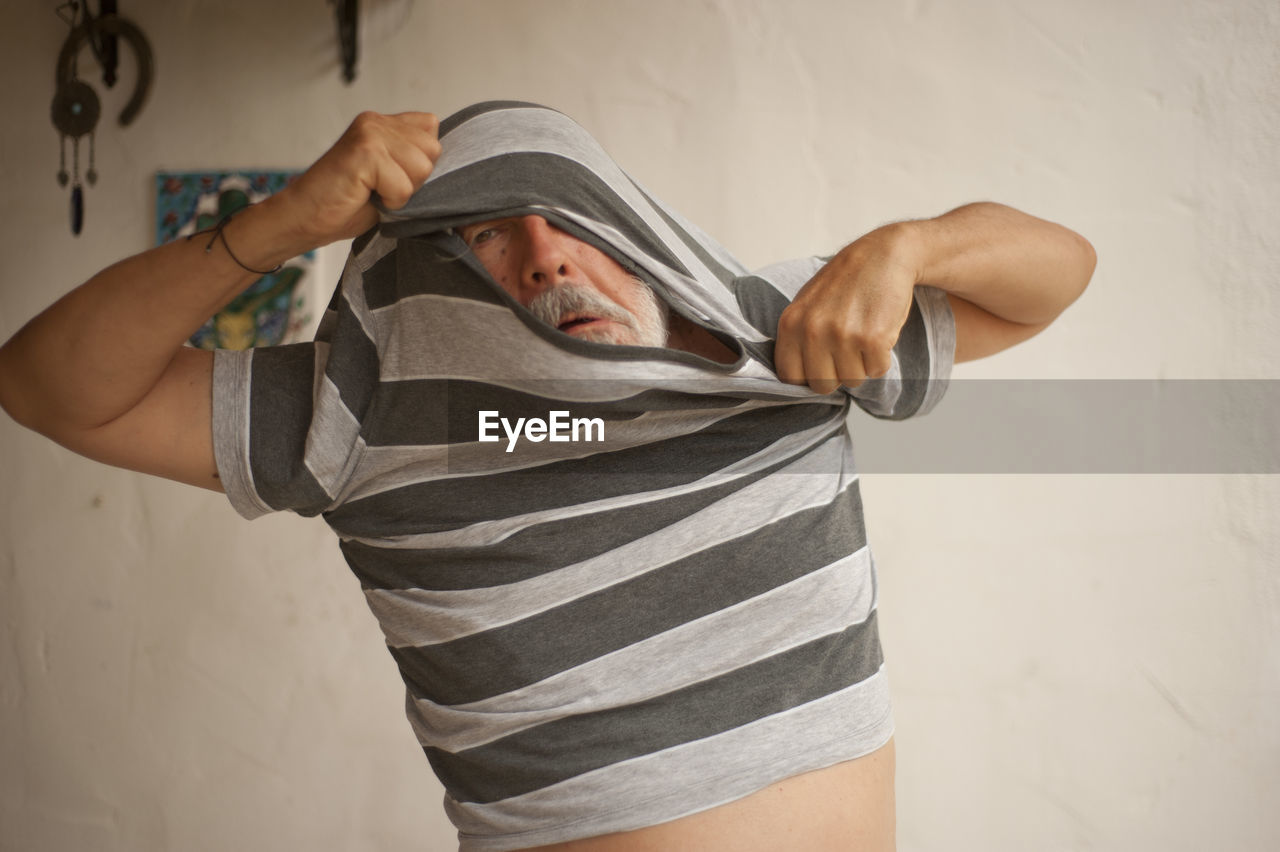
(125, 29)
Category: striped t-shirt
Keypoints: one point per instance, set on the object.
(670, 612)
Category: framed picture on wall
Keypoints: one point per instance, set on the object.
(282, 307)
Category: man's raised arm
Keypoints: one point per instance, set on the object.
(104, 371)
(1007, 275)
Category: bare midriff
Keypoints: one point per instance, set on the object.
(848, 807)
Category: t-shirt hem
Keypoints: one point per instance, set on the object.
(637, 815)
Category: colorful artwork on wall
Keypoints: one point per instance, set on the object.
(277, 308)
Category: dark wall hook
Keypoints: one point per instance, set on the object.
(105, 47)
(348, 17)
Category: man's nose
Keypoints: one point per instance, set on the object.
(548, 261)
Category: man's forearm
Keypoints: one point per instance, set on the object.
(1013, 265)
(99, 350)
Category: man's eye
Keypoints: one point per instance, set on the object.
(484, 235)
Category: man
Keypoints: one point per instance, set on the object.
(658, 636)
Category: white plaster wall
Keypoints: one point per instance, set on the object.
(1080, 662)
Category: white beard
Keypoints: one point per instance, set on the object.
(646, 327)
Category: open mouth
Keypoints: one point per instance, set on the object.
(574, 322)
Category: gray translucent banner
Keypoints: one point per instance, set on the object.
(1078, 426)
(1040, 426)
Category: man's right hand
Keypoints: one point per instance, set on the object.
(392, 155)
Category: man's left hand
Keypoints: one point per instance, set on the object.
(842, 325)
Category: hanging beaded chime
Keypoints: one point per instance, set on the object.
(75, 109)
(75, 114)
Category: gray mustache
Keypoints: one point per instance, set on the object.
(556, 302)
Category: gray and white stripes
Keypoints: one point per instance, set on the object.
(594, 637)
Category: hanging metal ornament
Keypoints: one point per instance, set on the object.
(75, 114)
(76, 108)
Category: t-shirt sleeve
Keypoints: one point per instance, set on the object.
(922, 357)
(287, 419)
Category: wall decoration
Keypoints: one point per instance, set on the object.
(277, 308)
(75, 107)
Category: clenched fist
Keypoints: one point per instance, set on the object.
(842, 325)
(392, 155)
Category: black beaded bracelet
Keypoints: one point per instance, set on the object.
(217, 232)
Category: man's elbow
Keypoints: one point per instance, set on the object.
(1074, 262)
(10, 389)
(22, 399)
(1085, 261)
(1078, 266)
